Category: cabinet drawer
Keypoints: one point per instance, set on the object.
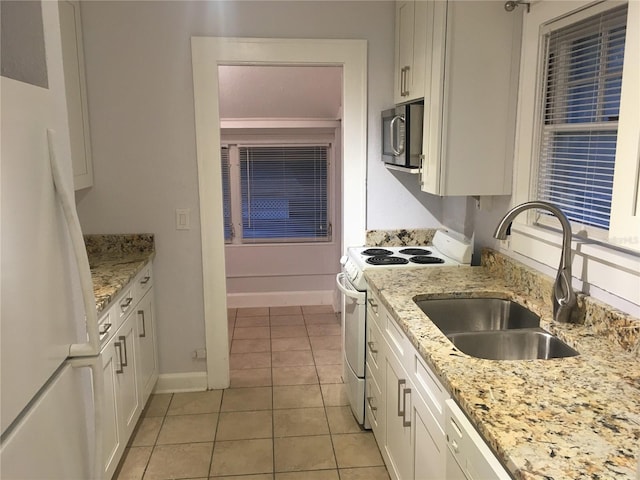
(429, 388)
(374, 406)
(143, 282)
(375, 350)
(396, 338)
(374, 308)
(108, 323)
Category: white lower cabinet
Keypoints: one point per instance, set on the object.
(408, 409)
(404, 403)
(130, 365)
(148, 371)
(398, 443)
(122, 400)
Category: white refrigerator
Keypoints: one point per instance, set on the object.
(50, 383)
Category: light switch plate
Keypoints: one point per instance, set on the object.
(183, 218)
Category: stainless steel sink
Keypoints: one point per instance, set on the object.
(494, 328)
(512, 345)
(477, 314)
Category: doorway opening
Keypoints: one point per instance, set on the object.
(208, 54)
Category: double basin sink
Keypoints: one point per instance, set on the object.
(494, 328)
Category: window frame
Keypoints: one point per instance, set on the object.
(605, 263)
(238, 142)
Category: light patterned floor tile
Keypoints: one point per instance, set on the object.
(146, 432)
(327, 357)
(287, 320)
(242, 457)
(133, 463)
(356, 450)
(248, 322)
(297, 396)
(188, 429)
(341, 420)
(333, 342)
(295, 358)
(250, 332)
(286, 310)
(322, 319)
(239, 361)
(189, 460)
(157, 405)
(290, 343)
(303, 453)
(334, 394)
(364, 473)
(304, 375)
(329, 373)
(288, 331)
(247, 399)
(300, 421)
(245, 425)
(323, 330)
(251, 345)
(251, 377)
(252, 312)
(315, 309)
(195, 402)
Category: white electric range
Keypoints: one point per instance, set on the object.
(448, 249)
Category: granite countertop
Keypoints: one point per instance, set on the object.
(114, 261)
(569, 418)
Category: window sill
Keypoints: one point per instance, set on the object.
(593, 264)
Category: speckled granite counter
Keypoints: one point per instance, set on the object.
(114, 260)
(570, 418)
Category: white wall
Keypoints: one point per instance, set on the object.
(140, 95)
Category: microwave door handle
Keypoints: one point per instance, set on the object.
(392, 127)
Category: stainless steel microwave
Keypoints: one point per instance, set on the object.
(402, 135)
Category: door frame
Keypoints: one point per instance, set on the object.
(209, 52)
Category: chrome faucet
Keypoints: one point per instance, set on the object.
(564, 298)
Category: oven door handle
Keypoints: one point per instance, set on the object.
(348, 292)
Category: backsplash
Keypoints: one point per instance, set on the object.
(118, 244)
(400, 238)
(602, 319)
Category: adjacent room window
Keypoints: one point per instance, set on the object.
(578, 127)
(276, 193)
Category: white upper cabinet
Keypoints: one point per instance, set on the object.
(470, 98)
(411, 49)
(76, 93)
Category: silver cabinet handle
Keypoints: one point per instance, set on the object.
(401, 384)
(124, 305)
(144, 329)
(145, 280)
(371, 347)
(104, 328)
(405, 423)
(118, 345)
(370, 402)
(123, 339)
(374, 305)
(405, 90)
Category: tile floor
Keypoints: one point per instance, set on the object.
(285, 416)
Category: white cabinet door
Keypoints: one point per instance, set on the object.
(148, 371)
(113, 441)
(470, 99)
(398, 444)
(412, 49)
(429, 443)
(122, 405)
(127, 378)
(76, 93)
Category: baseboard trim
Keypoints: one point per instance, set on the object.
(280, 299)
(181, 382)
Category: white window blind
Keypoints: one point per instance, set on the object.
(226, 194)
(581, 103)
(284, 193)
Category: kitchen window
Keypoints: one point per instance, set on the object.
(276, 193)
(577, 142)
(580, 109)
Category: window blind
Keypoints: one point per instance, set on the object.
(581, 97)
(226, 194)
(284, 193)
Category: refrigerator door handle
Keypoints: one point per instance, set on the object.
(66, 197)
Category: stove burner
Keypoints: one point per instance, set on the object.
(415, 251)
(425, 259)
(386, 260)
(376, 252)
